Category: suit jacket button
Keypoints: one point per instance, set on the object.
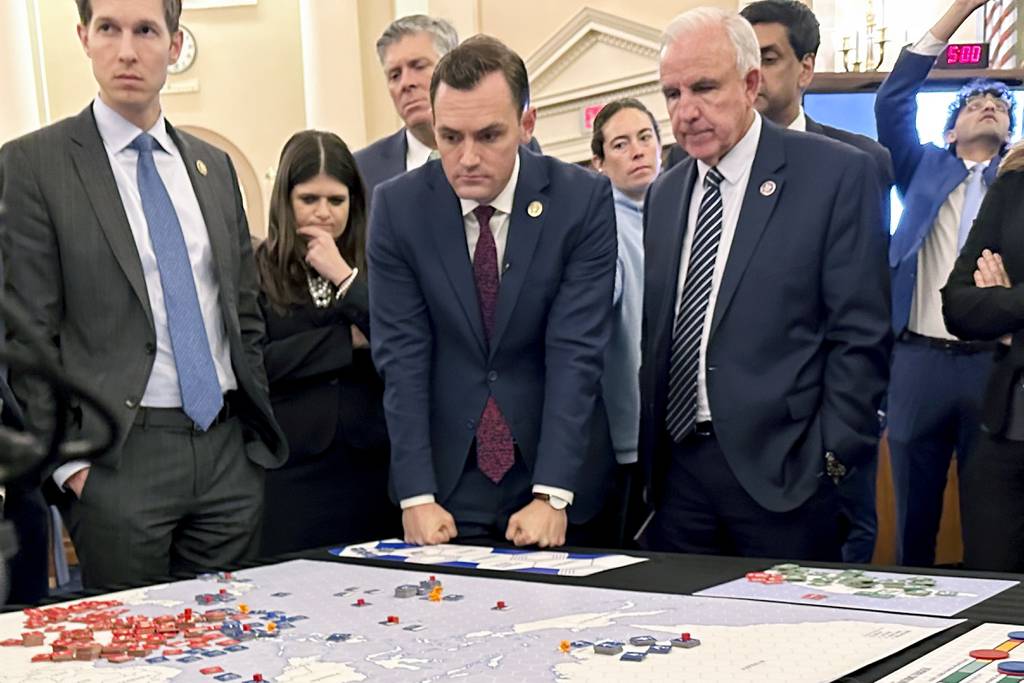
(469, 424)
(150, 348)
(492, 376)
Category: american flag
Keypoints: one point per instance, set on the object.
(1001, 33)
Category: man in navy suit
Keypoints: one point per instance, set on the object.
(491, 279)
(408, 50)
(766, 336)
(789, 36)
(937, 381)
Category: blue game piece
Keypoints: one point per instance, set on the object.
(633, 657)
(157, 660)
(190, 658)
(226, 677)
(236, 648)
(280, 594)
(298, 617)
(642, 640)
(274, 614)
(581, 643)
(1016, 635)
(213, 653)
(338, 637)
(193, 651)
(1013, 667)
(284, 623)
(659, 649)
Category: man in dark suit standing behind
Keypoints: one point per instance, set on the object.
(491, 278)
(766, 337)
(128, 245)
(408, 51)
(789, 36)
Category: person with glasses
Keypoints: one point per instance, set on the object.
(937, 380)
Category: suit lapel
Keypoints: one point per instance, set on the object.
(763, 191)
(449, 233)
(523, 233)
(216, 225)
(669, 245)
(93, 167)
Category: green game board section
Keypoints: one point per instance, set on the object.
(966, 671)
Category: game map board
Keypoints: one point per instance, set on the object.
(975, 657)
(550, 562)
(329, 622)
(942, 596)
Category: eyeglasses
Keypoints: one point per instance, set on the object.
(978, 102)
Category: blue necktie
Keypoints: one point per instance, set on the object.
(972, 202)
(201, 397)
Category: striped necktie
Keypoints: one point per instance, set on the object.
(689, 324)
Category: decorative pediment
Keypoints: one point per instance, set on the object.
(595, 58)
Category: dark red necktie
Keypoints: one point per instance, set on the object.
(494, 450)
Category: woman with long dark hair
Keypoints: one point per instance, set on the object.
(325, 391)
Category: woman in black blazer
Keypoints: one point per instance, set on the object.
(984, 300)
(326, 394)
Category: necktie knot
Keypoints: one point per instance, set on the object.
(713, 178)
(434, 154)
(483, 215)
(143, 143)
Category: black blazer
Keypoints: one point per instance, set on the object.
(319, 384)
(978, 313)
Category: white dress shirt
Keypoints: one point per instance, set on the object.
(735, 169)
(162, 389)
(416, 153)
(940, 248)
(499, 224)
(800, 122)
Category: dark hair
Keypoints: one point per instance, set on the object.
(465, 66)
(611, 109)
(172, 13)
(281, 257)
(802, 27)
(973, 88)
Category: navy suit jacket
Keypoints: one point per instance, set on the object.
(798, 354)
(382, 160)
(385, 159)
(553, 322)
(925, 174)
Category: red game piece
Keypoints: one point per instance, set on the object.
(43, 657)
(500, 605)
(172, 652)
(210, 670)
(118, 659)
(360, 602)
(684, 637)
(392, 619)
(257, 677)
(989, 655)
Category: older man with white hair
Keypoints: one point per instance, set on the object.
(766, 308)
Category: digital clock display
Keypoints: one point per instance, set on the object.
(964, 56)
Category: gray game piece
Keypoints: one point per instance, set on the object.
(406, 591)
(685, 644)
(643, 641)
(452, 597)
(414, 627)
(633, 657)
(607, 648)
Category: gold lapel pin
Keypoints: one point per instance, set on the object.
(768, 188)
(201, 167)
(534, 209)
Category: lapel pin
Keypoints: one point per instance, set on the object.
(535, 209)
(201, 167)
(768, 188)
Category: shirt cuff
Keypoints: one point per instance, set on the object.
(425, 499)
(67, 470)
(554, 492)
(929, 45)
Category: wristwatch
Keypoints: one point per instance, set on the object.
(556, 502)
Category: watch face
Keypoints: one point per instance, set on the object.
(188, 53)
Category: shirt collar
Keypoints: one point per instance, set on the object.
(118, 132)
(621, 199)
(418, 153)
(738, 159)
(800, 122)
(503, 202)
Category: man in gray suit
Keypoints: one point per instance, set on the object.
(128, 244)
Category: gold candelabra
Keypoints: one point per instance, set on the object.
(873, 56)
